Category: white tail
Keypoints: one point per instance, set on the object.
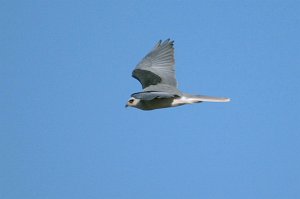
(202, 98)
(190, 99)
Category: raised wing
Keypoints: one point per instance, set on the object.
(157, 67)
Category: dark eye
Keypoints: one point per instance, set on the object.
(130, 101)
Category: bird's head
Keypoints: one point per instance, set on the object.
(132, 102)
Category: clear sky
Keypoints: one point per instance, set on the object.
(65, 76)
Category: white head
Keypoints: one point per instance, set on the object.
(132, 102)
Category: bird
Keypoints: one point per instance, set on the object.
(156, 73)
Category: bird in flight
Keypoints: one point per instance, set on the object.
(156, 73)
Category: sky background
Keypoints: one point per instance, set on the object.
(65, 76)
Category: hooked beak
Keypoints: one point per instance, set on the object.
(126, 105)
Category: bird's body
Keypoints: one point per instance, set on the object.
(156, 73)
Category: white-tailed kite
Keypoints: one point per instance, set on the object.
(156, 73)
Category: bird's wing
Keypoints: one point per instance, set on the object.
(157, 67)
(150, 95)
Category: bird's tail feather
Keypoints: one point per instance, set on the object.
(202, 98)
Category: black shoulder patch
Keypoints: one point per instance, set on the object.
(145, 77)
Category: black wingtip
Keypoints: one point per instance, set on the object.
(167, 41)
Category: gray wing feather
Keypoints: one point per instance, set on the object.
(152, 95)
(163, 88)
(157, 67)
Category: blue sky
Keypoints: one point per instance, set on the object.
(65, 69)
